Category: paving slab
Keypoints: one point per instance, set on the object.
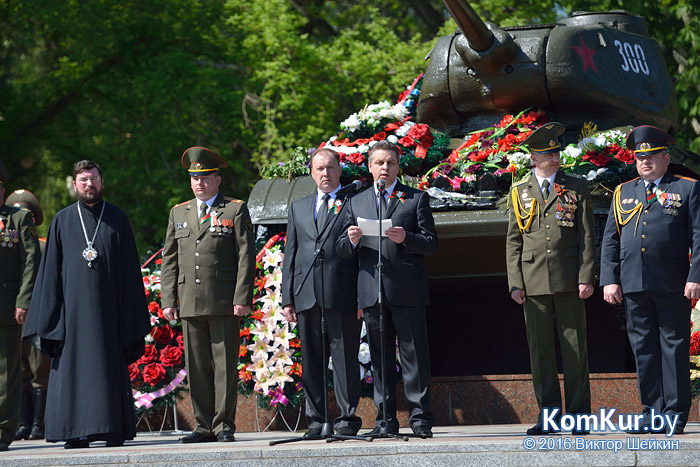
(478, 445)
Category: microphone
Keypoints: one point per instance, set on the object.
(381, 184)
(354, 186)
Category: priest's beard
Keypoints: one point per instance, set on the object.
(90, 196)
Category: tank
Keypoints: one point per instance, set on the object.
(601, 67)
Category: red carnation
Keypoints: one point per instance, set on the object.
(596, 158)
(154, 308)
(407, 142)
(159, 261)
(355, 158)
(149, 356)
(242, 351)
(153, 373)
(695, 343)
(163, 334)
(379, 136)
(134, 372)
(171, 355)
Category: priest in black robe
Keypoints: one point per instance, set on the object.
(89, 314)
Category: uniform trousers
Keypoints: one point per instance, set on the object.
(408, 324)
(10, 350)
(343, 345)
(211, 356)
(658, 327)
(35, 368)
(566, 312)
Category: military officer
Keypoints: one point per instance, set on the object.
(35, 365)
(550, 251)
(654, 222)
(19, 256)
(208, 269)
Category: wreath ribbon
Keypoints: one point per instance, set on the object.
(146, 399)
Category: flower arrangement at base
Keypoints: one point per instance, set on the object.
(421, 147)
(159, 375)
(496, 150)
(270, 353)
(600, 157)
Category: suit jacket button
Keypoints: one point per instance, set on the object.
(549, 251)
(643, 250)
(197, 281)
(644, 223)
(198, 241)
(196, 254)
(196, 267)
(644, 236)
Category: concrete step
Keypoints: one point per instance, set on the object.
(482, 445)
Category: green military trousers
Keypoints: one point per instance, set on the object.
(211, 356)
(10, 351)
(565, 312)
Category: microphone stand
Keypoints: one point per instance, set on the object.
(326, 428)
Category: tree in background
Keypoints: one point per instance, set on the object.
(133, 84)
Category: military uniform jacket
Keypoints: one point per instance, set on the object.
(650, 253)
(19, 261)
(405, 279)
(303, 239)
(556, 251)
(208, 269)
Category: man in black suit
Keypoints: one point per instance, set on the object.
(405, 285)
(309, 221)
(654, 222)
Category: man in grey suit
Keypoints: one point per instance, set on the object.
(405, 285)
(654, 222)
(310, 220)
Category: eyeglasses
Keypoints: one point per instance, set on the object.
(84, 180)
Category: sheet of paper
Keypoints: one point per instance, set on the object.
(370, 227)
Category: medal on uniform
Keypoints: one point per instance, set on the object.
(90, 253)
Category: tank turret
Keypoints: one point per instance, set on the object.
(601, 67)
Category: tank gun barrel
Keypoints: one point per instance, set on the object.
(474, 29)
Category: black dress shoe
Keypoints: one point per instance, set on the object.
(225, 436)
(114, 443)
(77, 444)
(423, 431)
(538, 430)
(37, 432)
(312, 433)
(197, 437)
(4, 446)
(346, 431)
(23, 432)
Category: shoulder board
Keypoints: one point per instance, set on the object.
(573, 175)
(629, 181)
(524, 180)
(233, 200)
(685, 178)
(181, 204)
